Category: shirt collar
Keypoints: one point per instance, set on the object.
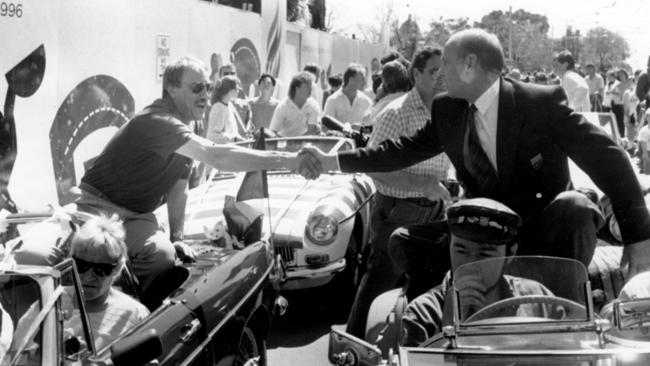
(489, 97)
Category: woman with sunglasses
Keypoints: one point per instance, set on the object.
(99, 253)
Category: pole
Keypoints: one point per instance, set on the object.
(510, 33)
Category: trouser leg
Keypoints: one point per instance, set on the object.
(151, 253)
(388, 214)
(422, 252)
(567, 227)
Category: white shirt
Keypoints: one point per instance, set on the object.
(289, 120)
(338, 106)
(577, 91)
(485, 118)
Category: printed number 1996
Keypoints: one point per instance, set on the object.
(11, 9)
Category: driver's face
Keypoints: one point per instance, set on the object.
(463, 251)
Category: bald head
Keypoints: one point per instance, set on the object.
(484, 45)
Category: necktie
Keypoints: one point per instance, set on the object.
(476, 161)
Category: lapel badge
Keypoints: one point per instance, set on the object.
(536, 161)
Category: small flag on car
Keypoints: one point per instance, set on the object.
(244, 221)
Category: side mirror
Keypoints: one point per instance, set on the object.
(633, 316)
(76, 348)
(138, 349)
(348, 350)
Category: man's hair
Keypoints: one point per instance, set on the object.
(566, 57)
(352, 71)
(335, 80)
(484, 45)
(394, 77)
(173, 74)
(298, 80)
(103, 236)
(420, 60)
(269, 76)
(222, 87)
(590, 65)
(313, 69)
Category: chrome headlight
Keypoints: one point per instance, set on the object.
(322, 229)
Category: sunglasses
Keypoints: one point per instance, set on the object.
(228, 73)
(198, 88)
(100, 269)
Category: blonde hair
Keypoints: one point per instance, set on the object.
(102, 235)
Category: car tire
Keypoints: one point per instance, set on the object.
(250, 347)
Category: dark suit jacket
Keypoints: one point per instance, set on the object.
(536, 131)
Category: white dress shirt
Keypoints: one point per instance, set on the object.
(485, 118)
(577, 91)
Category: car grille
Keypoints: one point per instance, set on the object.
(287, 253)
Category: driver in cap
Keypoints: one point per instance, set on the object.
(480, 229)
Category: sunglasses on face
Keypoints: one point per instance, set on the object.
(100, 269)
(228, 73)
(198, 88)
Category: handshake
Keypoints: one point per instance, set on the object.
(310, 162)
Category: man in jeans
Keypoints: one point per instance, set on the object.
(409, 196)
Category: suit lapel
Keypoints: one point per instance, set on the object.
(509, 123)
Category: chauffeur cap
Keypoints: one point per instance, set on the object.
(483, 220)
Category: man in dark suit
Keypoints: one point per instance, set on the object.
(509, 141)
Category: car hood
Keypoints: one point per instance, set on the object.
(291, 200)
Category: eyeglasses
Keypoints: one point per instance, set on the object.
(198, 88)
(228, 73)
(100, 269)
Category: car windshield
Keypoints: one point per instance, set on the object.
(520, 289)
(294, 144)
(20, 302)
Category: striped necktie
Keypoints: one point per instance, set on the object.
(476, 160)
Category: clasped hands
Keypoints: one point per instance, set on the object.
(310, 162)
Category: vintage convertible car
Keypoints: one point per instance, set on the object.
(319, 227)
(543, 315)
(214, 311)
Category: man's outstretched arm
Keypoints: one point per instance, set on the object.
(233, 158)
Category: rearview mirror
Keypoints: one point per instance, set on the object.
(348, 350)
(75, 349)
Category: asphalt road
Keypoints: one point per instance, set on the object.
(301, 336)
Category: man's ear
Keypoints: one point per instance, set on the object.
(512, 250)
(471, 61)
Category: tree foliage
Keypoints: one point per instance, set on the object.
(441, 29)
(605, 48)
(406, 38)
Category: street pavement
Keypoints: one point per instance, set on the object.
(301, 336)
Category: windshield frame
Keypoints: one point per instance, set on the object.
(587, 324)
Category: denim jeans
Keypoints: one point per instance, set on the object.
(389, 213)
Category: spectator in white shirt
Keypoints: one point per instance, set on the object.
(297, 114)
(316, 89)
(575, 85)
(596, 88)
(350, 104)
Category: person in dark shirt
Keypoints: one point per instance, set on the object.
(148, 161)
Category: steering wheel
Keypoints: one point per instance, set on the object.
(570, 307)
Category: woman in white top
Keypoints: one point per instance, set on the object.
(223, 121)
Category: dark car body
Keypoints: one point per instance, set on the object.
(216, 310)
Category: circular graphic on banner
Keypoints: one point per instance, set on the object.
(97, 103)
(244, 56)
